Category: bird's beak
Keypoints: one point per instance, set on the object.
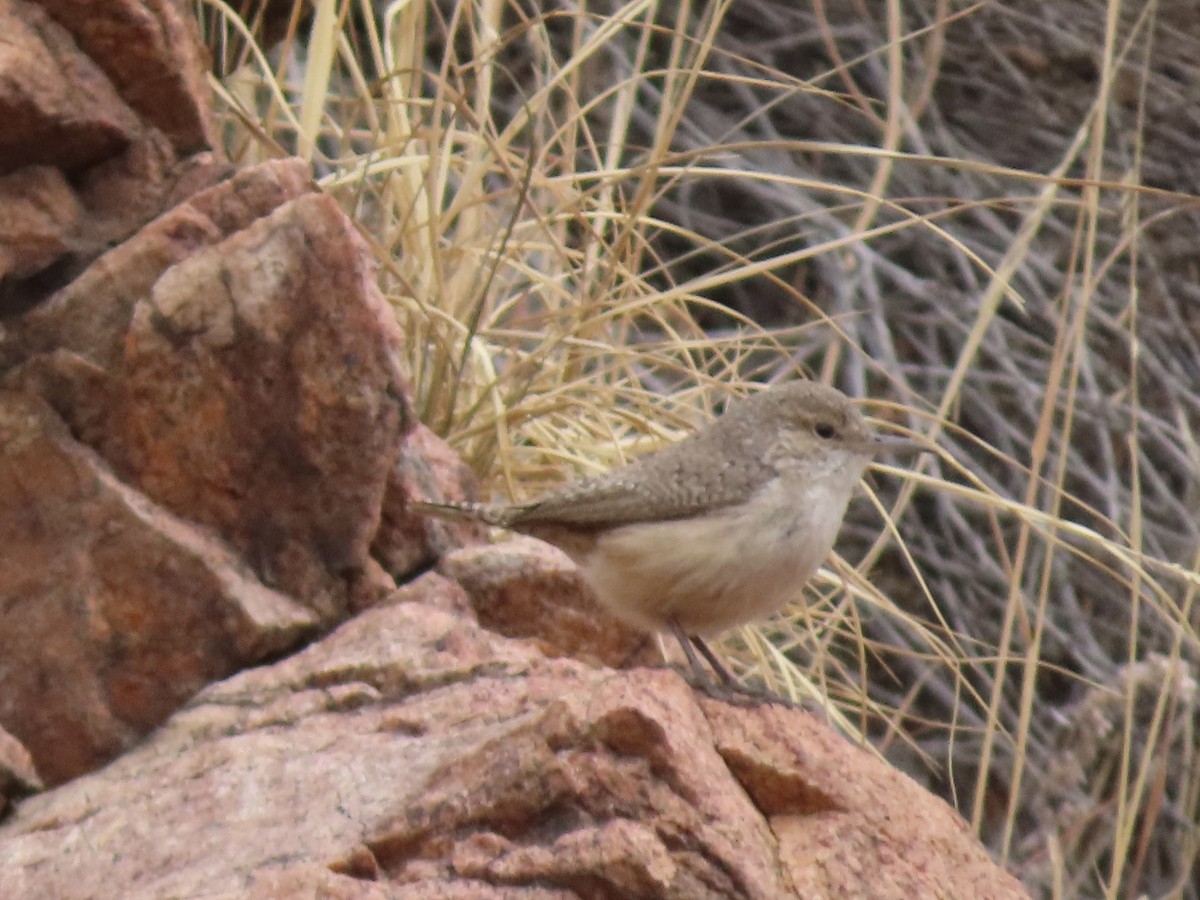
(892, 444)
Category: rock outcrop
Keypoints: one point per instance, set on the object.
(413, 749)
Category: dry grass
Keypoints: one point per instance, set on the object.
(596, 225)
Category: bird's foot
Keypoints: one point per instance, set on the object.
(735, 693)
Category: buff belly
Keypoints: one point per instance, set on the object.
(719, 571)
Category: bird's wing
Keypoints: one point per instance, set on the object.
(674, 483)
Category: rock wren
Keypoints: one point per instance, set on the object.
(717, 530)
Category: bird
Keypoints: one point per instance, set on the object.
(720, 529)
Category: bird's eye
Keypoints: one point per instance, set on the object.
(824, 430)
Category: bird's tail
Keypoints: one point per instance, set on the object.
(487, 513)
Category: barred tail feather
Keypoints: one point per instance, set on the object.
(478, 512)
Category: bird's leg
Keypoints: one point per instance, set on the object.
(730, 689)
(687, 641)
(717, 666)
(697, 669)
